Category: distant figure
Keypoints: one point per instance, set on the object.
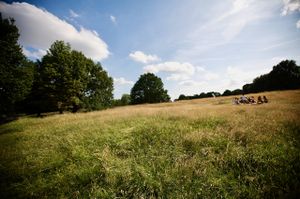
(244, 99)
(235, 101)
(259, 100)
(265, 99)
(252, 100)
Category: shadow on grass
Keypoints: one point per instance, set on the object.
(7, 130)
(8, 119)
(4, 120)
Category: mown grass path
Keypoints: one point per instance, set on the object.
(205, 148)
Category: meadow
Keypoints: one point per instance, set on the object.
(206, 148)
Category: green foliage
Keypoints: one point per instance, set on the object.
(98, 93)
(125, 100)
(16, 73)
(237, 92)
(67, 80)
(149, 89)
(182, 97)
(285, 75)
(201, 95)
(226, 93)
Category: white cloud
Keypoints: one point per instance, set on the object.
(40, 28)
(290, 6)
(181, 71)
(178, 77)
(122, 81)
(191, 83)
(230, 22)
(235, 73)
(36, 54)
(237, 6)
(227, 20)
(199, 69)
(73, 14)
(210, 76)
(113, 19)
(236, 77)
(277, 45)
(173, 67)
(239, 16)
(298, 24)
(139, 56)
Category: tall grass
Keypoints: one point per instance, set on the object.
(190, 149)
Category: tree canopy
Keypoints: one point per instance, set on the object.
(196, 96)
(149, 89)
(285, 75)
(125, 100)
(16, 72)
(69, 80)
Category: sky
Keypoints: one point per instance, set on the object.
(194, 46)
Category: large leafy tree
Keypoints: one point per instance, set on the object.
(125, 99)
(69, 80)
(98, 93)
(285, 75)
(16, 72)
(56, 75)
(149, 89)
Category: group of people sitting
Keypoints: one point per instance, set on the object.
(250, 100)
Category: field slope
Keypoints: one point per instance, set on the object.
(205, 148)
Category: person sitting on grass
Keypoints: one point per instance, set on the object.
(259, 100)
(265, 99)
(244, 99)
(252, 100)
(235, 101)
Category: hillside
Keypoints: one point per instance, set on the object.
(204, 148)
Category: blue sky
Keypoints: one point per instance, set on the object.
(194, 45)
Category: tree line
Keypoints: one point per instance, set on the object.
(63, 80)
(284, 76)
(66, 80)
(196, 96)
(148, 89)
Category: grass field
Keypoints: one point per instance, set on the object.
(205, 148)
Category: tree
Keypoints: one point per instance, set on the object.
(202, 95)
(56, 76)
(67, 80)
(16, 72)
(247, 88)
(237, 92)
(226, 93)
(182, 97)
(98, 93)
(149, 89)
(38, 100)
(125, 99)
(285, 75)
